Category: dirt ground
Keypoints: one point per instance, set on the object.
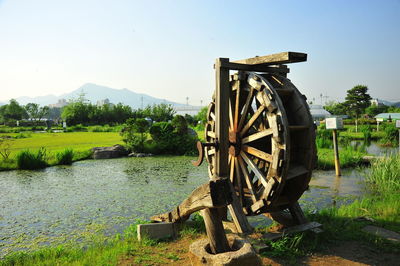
(348, 253)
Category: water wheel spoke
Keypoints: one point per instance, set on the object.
(239, 180)
(232, 166)
(236, 118)
(231, 126)
(246, 108)
(247, 178)
(258, 153)
(252, 120)
(254, 169)
(258, 135)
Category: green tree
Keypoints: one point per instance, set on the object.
(373, 110)
(202, 115)
(129, 133)
(12, 111)
(335, 108)
(36, 112)
(357, 100)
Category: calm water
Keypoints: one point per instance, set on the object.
(71, 203)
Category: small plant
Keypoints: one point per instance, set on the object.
(29, 160)
(65, 157)
(5, 149)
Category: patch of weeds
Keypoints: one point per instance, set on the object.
(65, 157)
(30, 160)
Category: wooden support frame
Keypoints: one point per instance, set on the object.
(274, 59)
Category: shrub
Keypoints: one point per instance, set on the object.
(324, 139)
(29, 160)
(391, 134)
(65, 157)
(366, 130)
(385, 174)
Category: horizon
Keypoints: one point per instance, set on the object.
(167, 50)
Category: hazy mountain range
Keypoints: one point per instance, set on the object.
(96, 93)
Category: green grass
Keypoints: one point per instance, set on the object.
(79, 142)
(381, 207)
(348, 158)
(31, 160)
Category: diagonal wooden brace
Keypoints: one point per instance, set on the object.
(214, 194)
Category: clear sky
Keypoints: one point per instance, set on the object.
(167, 48)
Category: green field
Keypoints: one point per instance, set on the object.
(80, 142)
(54, 142)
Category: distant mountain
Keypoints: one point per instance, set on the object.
(396, 104)
(96, 93)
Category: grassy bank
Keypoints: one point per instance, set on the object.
(55, 143)
(348, 158)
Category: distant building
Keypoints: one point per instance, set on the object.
(104, 102)
(59, 104)
(376, 102)
(318, 112)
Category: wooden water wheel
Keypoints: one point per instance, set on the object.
(271, 141)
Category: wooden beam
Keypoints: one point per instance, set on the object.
(282, 69)
(274, 59)
(213, 194)
(222, 117)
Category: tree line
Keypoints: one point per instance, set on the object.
(81, 111)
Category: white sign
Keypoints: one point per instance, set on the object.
(398, 123)
(379, 120)
(334, 123)
(64, 124)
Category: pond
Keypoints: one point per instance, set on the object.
(374, 148)
(71, 203)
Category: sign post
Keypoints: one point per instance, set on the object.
(335, 123)
(377, 123)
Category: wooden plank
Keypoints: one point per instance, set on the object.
(213, 194)
(284, 92)
(296, 170)
(297, 213)
(258, 135)
(298, 128)
(246, 108)
(281, 69)
(222, 117)
(275, 59)
(252, 120)
(292, 230)
(238, 181)
(238, 216)
(236, 113)
(255, 169)
(215, 231)
(258, 153)
(247, 179)
(211, 134)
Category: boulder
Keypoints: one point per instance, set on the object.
(109, 152)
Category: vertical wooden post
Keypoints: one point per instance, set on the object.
(336, 151)
(212, 216)
(222, 118)
(215, 230)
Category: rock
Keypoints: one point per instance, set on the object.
(242, 253)
(156, 231)
(109, 152)
(134, 154)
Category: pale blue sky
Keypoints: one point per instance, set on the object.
(167, 48)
